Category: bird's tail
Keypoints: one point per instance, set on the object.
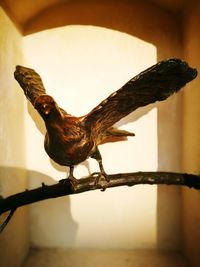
(114, 135)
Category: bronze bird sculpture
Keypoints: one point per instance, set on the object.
(70, 140)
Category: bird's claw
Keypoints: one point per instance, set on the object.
(101, 178)
(73, 181)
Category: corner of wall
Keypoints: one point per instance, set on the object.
(14, 241)
(191, 138)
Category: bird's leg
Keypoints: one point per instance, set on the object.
(70, 177)
(71, 173)
(96, 155)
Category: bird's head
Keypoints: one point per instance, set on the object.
(45, 105)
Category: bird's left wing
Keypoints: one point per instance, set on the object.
(30, 82)
(154, 84)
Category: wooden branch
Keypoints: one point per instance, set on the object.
(88, 184)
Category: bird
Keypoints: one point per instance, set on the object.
(70, 140)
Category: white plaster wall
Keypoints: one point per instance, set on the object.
(80, 66)
(14, 240)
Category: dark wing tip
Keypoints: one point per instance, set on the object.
(179, 67)
(30, 81)
(171, 74)
(20, 70)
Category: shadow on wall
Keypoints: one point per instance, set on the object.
(12, 180)
(15, 238)
(56, 211)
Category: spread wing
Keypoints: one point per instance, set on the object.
(154, 84)
(30, 82)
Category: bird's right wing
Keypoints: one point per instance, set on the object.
(156, 83)
(30, 82)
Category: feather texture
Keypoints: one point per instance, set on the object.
(154, 84)
(30, 82)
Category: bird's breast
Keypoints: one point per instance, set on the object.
(68, 149)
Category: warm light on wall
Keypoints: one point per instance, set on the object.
(80, 66)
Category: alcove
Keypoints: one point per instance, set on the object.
(95, 48)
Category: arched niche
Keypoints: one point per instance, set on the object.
(155, 26)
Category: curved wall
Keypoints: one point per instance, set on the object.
(159, 28)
